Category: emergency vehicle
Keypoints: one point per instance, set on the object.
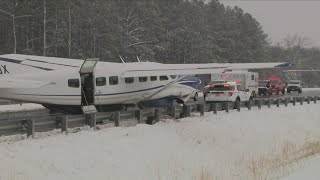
(249, 80)
(227, 92)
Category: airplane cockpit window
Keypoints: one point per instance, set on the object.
(74, 83)
(113, 80)
(173, 76)
(101, 81)
(164, 78)
(129, 80)
(153, 78)
(143, 79)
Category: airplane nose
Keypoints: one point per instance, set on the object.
(191, 81)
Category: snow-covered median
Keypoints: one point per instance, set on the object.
(258, 144)
(20, 107)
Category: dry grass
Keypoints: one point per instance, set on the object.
(276, 163)
(280, 161)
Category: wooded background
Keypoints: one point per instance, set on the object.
(167, 31)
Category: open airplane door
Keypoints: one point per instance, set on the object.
(88, 85)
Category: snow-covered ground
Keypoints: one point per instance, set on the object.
(20, 107)
(268, 143)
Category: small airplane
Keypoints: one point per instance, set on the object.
(68, 85)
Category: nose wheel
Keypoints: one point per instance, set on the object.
(196, 96)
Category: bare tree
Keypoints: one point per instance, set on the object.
(295, 45)
(69, 29)
(132, 33)
(11, 11)
(44, 27)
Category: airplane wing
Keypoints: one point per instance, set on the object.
(41, 62)
(150, 69)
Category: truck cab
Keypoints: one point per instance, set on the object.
(277, 85)
(264, 87)
(294, 85)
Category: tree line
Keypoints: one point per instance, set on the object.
(169, 31)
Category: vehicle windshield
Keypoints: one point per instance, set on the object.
(216, 82)
(263, 83)
(221, 87)
(294, 82)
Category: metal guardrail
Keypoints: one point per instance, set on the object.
(30, 124)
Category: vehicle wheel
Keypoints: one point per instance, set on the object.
(259, 94)
(288, 92)
(277, 93)
(283, 91)
(195, 98)
(300, 91)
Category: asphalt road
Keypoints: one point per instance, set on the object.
(305, 92)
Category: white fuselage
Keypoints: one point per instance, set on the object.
(57, 91)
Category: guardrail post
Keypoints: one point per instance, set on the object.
(174, 111)
(294, 101)
(238, 104)
(30, 128)
(213, 107)
(249, 105)
(226, 104)
(301, 100)
(269, 103)
(139, 116)
(315, 99)
(184, 110)
(157, 115)
(188, 111)
(92, 120)
(308, 99)
(116, 118)
(278, 102)
(285, 102)
(201, 109)
(64, 124)
(259, 103)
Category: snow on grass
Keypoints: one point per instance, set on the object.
(20, 107)
(268, 143)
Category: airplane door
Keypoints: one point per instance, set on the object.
(87, 77)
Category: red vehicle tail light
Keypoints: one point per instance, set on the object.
(230, 93)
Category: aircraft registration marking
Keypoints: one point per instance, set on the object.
(3, 69)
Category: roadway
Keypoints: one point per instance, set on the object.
(305, 92)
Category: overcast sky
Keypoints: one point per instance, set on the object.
(279, 18)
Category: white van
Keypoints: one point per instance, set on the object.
(249, 80)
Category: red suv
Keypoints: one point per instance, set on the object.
(277, 85)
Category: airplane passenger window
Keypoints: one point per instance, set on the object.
(129, 80)
(74, 83)
(143, 79)
(153, 78)
(101, 81)
(113, 80)
(163, 78)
